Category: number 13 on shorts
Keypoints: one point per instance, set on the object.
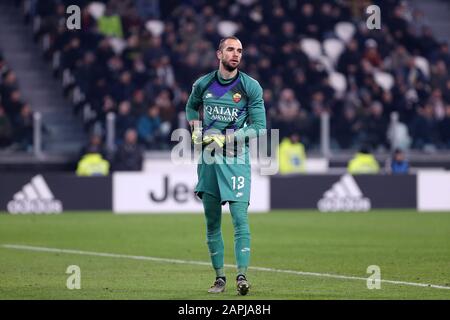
(238, 182)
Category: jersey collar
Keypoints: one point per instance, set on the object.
(226, 82)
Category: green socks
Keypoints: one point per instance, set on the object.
(241, 235)
(220, 273)
(213, 215)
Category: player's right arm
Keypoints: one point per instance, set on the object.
(193, 104)
(192, 111)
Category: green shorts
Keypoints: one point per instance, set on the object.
(227, 182)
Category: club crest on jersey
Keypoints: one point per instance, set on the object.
(237, 97)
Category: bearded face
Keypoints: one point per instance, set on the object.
(230, 54)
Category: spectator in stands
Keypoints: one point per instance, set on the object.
(16, 117)
(371, 53)
(138, 103)
(148, 9)
(123, 88)
(288, 105)
(87, 72)
(6, 130)
(397, 164)
(318, 106)
(92, 164)
(125, 120)
(446, 91)
(13, 105)
(24, 128)
(348, 128)
(129, 156)
(375, 126)
(72, 53)
(103, 107)
(164, 101)
(164, 69)
(7, 87)
(148, 127)
(110, 23)
(349, 58)
(140, 73)
(423, 128)
(437, 102)
(427, 42)
(169, 62)
(2, 65)
(399, 58)
(132, 50)
(154, 51)
(412, 74)
(95, 145)
(363, 163)
(291, 155)
(444, 127)
(287, 114)
(308, 25)
(442, 54)
(439, 75)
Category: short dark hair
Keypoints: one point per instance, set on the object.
(222, 41)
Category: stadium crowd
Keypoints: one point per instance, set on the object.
(147, 81)
(16, 116)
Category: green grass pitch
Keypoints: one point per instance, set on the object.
(407, 246)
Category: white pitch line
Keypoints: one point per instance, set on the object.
(125, 256)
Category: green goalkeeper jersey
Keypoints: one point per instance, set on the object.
(233, 104)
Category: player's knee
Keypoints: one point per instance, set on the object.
(214, 235)
(242, 231)
(212, 227)
(240, 223)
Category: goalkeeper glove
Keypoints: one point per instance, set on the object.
(197, 135)
(219, 140)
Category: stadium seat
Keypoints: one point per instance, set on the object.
(423, 65)
(384, 80)
(338, 82)
(333, 48)
(326, 62)
(156, 27)
(344, 30)
(97, 9)
(227, 28)
(311, 47)
(117, 44)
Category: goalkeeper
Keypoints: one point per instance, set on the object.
(233, 112)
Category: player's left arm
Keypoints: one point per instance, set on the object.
(256, 112)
